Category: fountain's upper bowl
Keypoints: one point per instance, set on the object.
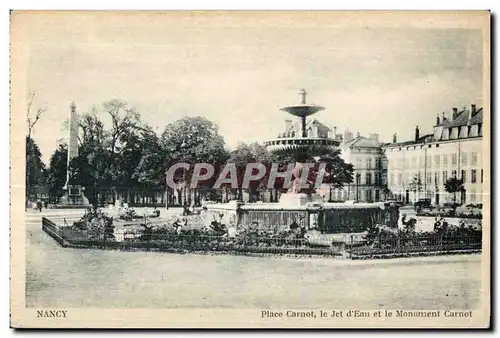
(302, 109)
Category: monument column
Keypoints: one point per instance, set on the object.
(73, 193)
(72, 140)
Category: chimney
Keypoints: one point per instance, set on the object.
(472, 111)
(394, 138)
(437, 120)
(444, 116)
(347, 136)
(374, 137)
(417, 134)
(357, 134)
(334, 132)
(455, 113)
(288, 125)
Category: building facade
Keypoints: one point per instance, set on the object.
(419, 168)
(367, 158)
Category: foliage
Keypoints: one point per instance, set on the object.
(57, 170)
(97, 225)
(35, 168)
(117, 149)
(241, 157)
(416, 183)
(192, 140)
(452, 186)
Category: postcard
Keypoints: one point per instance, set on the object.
(250, 169)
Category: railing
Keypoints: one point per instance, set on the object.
(360, 247)
(416, 244)
(173, 242)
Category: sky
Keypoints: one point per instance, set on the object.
(239, 71)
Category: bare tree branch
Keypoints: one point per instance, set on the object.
(32, 120)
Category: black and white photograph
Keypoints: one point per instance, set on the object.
(250, 169)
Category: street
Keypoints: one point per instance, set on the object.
(62, 277)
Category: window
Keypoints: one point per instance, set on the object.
(473, 176)
(369, 163)
(421, 160)
(445, 176)
(391, 179)
(400, 178)
(454, 159)
(473, 195)
(474, 158)
(413, 162)
(436, 178)
(463, 158)
(436, 160)
(445, 159)
(464, 176)
(428, 178)
(368, 178)
(454, 173)
(429, 160)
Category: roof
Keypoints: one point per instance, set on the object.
(298, 126)
(422, 139)
(362, 142)
(462, 119)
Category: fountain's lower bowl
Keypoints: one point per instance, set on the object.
(308, 145)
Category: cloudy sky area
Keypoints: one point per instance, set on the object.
(375, 80)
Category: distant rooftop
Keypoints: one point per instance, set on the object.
(448, 129)
(362, 142)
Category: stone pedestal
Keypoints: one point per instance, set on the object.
(74, 197)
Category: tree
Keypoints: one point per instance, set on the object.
(192, 140)
(122, 138)
(33, 156)
(92, 132)
(337, 172)
(56, 177)
(416, 184)
(32, 120)
(35, 168)
(127, 154)
(150, 171)
(452, 186)
(243, 155)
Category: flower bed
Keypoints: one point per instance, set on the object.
(375, 244)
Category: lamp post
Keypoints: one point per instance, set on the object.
(358, 176)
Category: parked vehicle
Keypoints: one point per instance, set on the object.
(422, 203)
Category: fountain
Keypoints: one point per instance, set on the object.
(303, 207)
(301, 147)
